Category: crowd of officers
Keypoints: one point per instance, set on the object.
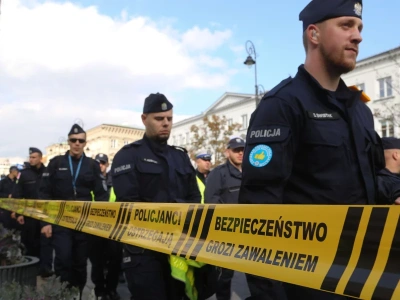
(311, 140)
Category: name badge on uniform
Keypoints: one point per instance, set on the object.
(323, 115)
(63, 169)
(149, 160)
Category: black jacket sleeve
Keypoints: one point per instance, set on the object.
(213, 191)
(272, 140)
(124, 178)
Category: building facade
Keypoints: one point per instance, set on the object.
(237, 108)
(105, 138)
(379, 77)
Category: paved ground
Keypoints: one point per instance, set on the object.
(239, 286)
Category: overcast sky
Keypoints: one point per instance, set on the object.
(97, 60)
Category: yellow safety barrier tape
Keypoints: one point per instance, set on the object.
(348, 250)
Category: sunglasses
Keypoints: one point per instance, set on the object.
(81, 141)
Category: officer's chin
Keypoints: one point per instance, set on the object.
(162, 138)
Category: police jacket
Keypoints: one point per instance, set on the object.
(223, 184)
(145, 171)
(388, 187)
(27, 186)
(7, 186)
(308, 145)
(57, 181)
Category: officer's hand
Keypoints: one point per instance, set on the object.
(397, 201)
(47, 231)
(13, 215)
(21, 220)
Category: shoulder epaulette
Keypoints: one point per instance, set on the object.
(364, 97)
(277, 88)
(136, 143)
(180, 149)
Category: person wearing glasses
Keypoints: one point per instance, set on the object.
(72, 177)
(222, 187)
(203, 163)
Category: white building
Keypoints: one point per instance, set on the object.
(379, 77)
(237, 108)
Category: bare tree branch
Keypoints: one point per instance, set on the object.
(213, 135)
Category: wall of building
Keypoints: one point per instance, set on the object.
(379, 77)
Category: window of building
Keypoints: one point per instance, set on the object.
(244, 122)
(114, 144)
(126, 142)
(361, 86)
(230, 122)
(385, 87)
(387, 129)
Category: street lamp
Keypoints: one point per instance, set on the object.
(251, 60)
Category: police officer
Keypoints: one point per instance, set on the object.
(222, 187)
(389, 177)
(71, 177)
(7, 185)
(203, 163)
(150, 170)
(27, 187)
(105, 255)
(312, 139)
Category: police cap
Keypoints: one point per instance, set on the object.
(320, 10)
(390, 143)
(76, 129)
(236, 142)
(155, 103)
(34, 150)
(101, 158)
(203, 154)
(12, 168)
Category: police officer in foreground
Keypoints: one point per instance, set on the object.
(27, 187)
(105, 255)
(71, 177)
(149, 170)
(311, 140)
(389, 177)
(203, 163)
(223, 188)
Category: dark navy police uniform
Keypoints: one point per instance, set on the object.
(71, 246)
(7, 186)
(308, 145)
(27, 187)
(147, 171)
(388, 182)
(105, 256)
(223, 185)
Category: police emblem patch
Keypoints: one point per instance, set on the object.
(358, 9)
(101, 155)
(260, 156)
(164, 106)
(76, 130)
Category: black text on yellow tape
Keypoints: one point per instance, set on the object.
(348, 250)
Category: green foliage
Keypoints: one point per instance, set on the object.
(213, 134)
(52, 289)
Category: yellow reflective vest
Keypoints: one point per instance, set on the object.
(182, 269)
(202, 188)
